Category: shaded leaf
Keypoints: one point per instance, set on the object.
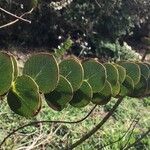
(127, 86)
(6, 72)
(104, 96)
(61, 96)
(82, 96)
(24, 98)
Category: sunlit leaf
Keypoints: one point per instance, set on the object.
(122, 73)
(132, 70)
(113, 78)
(95, 74)
(43, 68)
(72, 70)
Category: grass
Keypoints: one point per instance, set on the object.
(56, 136)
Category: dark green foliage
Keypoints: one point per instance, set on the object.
(92, 27)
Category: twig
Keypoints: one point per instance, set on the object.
(11, 14)
(130, 134)
(13, 22)
(138, 140)
(96, 128)
(119, 139)
(99, 5)
(46, 121)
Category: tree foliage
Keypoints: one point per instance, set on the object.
(89, 23)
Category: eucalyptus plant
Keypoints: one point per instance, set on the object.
(68, 82)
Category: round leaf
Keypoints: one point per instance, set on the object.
(61, 96)
(15, 65)
(113, 78)
(112, 73)
(82, 96)
(95, 74)
(122, 73)
(24, 98)
(132, 70)
(148, 65)
(127, 86)
(141, 88)
(148, 86)
(115, 89)
(145, 71)
(104, 96)
(6, 72)
(43, 68)
(72, 70)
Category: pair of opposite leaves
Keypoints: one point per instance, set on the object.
(76, 84)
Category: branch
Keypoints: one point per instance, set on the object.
(138, 140)
(119, 139)
(96, 128)
(98, 4)
(11, 14)
(130, 135)
(13, 22)
(46, 121)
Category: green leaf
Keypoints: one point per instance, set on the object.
(24, 98)
(148, 86)
(104, 96)
(127, 86)
(148, 80)
(113, 78)
(82, 96)
(148, 65)
(141, 88)
(72, 70)
(95, 74)
(115, 89)
(15, 66)
(61, 96)
(132, 70)
(43, 68)
(122, 73)
(145, 71)
(6, 72)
